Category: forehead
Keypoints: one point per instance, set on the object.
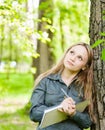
(80, 50)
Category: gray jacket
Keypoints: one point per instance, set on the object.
(48, 93)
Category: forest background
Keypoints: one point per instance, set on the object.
(33, 36)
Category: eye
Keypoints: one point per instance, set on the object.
(80, 58)
(72, 52)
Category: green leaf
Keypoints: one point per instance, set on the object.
(36, 55)
(103, 54)
(97, 43)
(102, 34)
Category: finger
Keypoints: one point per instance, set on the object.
(72, 105)
(70, 100)
(65, 107)
(71, 111)
(60, 109)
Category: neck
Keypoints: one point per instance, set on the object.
(68, 76)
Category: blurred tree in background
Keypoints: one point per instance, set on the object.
(35, 33)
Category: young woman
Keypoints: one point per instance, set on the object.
(74, 74)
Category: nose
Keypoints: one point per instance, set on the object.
(73, 58)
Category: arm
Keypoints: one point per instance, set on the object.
(37, 102)
(82, 119)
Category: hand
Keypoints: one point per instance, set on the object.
(68, 106)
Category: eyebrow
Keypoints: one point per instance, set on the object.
(72, 49)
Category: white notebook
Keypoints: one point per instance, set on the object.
(53, 115)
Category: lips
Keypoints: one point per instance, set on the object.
(70, 62)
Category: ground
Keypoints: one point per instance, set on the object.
(11, 117)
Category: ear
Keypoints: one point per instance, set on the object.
(84, 68)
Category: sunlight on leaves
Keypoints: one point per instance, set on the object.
(103, 54)
(97, 43)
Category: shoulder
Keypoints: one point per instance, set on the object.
(48, 78)
(54, 76)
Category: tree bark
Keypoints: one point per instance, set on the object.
(45, 60)
(97, 25)
(61, 32)
(1, 42)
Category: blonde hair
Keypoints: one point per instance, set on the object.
(85, 77)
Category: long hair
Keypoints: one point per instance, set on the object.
(85, 77)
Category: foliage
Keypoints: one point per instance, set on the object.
(15, 32)
(97, 43)
(17, 88)
(19, 27)
(17, 84)
(16, 121)
(74, 17)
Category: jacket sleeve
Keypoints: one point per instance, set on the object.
(82, 119)
(37, 102)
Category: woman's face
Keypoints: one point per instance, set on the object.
(76, 58)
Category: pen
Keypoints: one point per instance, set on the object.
(66, 95)
(64, 92)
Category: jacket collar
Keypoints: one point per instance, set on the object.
(55, 77)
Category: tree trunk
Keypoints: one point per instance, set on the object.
(43, 62)
(97, 25)
(62, 33)
(1, 42)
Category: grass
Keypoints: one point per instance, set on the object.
(16, 121)
(16, 84)
(15, 94)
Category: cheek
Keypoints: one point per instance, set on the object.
(65, 60)
(81, 65)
